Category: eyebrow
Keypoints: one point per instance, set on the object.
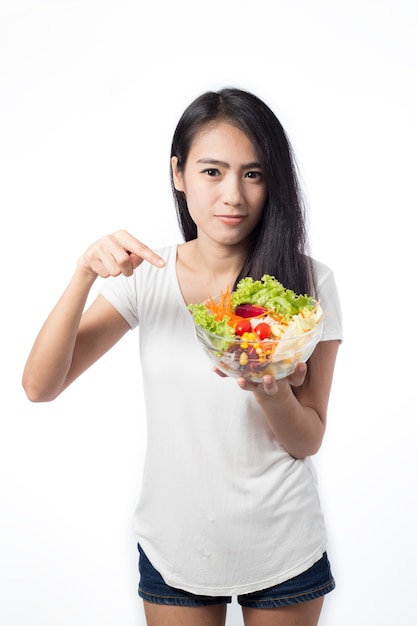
(210, 161)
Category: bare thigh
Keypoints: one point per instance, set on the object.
(165, 615)
(303, 614)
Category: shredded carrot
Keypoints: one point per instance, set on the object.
(223, 308)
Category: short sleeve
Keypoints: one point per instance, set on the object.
(121, 291)
(330, 303)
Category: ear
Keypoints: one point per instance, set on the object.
(177, 174)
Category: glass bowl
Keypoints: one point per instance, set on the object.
(237, 357)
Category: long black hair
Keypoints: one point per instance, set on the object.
(279, 242)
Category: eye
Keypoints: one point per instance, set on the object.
(254, 175)
(211, 171)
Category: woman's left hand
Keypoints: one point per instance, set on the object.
(269, 386)
(296, 407)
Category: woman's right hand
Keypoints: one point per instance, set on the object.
(115, 254)
(71, 339)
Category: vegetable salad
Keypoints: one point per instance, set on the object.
(260, 324)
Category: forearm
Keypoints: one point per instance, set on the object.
(50, 359)
(298, 428)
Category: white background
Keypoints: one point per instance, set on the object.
(90, 93)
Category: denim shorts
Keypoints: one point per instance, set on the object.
(311, 584)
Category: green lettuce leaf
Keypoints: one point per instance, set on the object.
(271, 294)
(204, 318)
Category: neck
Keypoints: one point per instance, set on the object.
(216, 261)
(205, 271)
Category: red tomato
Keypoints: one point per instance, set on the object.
(243, 326)
(263, 330)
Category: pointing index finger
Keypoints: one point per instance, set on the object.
(139, 249)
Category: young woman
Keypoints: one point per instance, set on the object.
(229, 503)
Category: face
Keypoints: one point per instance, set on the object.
(223, 183)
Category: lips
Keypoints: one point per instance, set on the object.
(231, 220)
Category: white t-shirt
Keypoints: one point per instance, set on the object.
(223, 509)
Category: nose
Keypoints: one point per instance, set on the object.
(232, 191)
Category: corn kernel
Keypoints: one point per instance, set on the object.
(243, 358)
